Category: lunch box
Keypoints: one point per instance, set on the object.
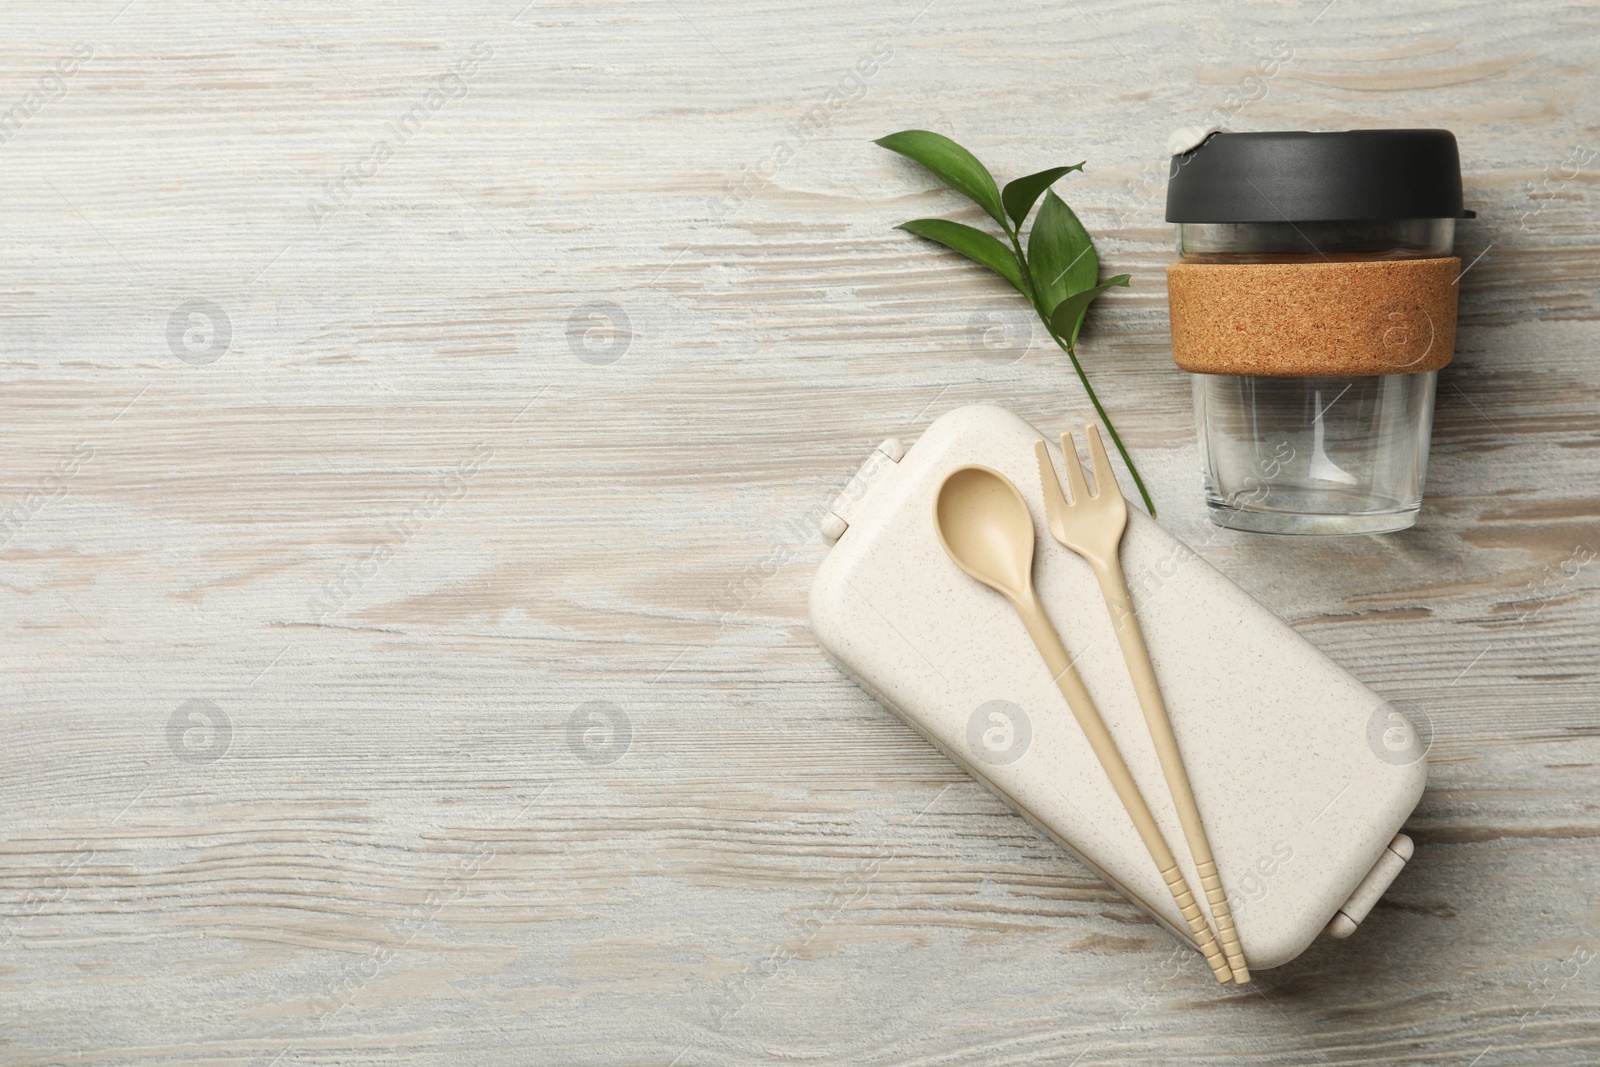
(1303, 775)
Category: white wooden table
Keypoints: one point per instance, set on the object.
(414, 421)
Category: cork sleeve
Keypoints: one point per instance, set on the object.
(1295, 320)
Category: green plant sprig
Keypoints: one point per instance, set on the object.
(1059, 273)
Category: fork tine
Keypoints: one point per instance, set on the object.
(1055, 505)
(1069, 450)
(1103, 478)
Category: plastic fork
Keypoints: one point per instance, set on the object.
(1091, 525)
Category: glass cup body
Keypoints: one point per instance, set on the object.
(1323, 455)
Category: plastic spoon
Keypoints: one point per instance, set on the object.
(986, 528)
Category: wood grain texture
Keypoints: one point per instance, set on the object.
(410, 544)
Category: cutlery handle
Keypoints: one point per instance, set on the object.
(1131, 637)
(1083, 708)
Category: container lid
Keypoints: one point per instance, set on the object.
(1296, 176)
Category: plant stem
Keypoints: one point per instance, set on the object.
(1044, 317)
(1116, 439)
(1027, 276)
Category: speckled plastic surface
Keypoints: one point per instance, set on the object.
(1302, 774)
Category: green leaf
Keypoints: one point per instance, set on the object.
(1061, 258)
(1019, 196)
(1067, 318)
(1059, 270)
(951, 164)
(974, 244)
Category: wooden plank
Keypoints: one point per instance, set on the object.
(528, 754)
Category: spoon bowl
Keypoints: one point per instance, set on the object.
(986, 528)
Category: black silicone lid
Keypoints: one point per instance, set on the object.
(1317, 177)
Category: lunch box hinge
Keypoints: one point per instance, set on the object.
(1372, 886)
(846, 507)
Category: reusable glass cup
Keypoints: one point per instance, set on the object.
(1314, 301)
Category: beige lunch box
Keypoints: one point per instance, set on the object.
(1303, 776)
